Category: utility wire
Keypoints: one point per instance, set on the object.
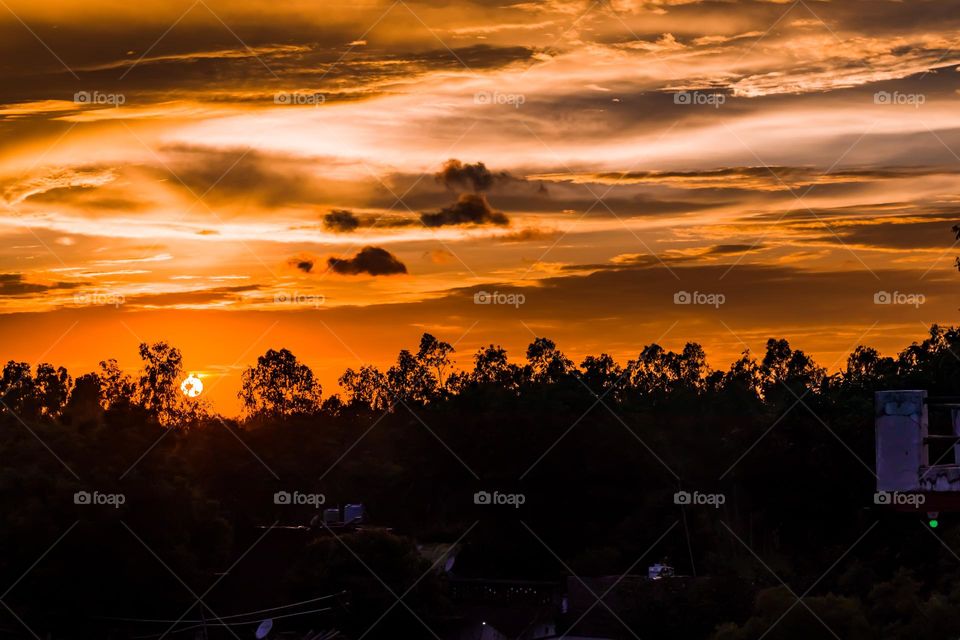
(240, 624)
(232, 616)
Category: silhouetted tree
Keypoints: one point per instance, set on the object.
(783, 367)
(333, 405)
(692, 368)
(491, 366)
(52, 387)
(435, 355)
(17, 389)
(654, 371)
(790, 491)
(279, 385)
(160, 379)
(84, 404)
(602, 373)
(367, 388)
(117, 389)
(744, 375)
(866, 368)
(409, 380)
(547, 363)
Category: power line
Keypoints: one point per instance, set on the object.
(232, 616)
(246, 622)
(240, 624)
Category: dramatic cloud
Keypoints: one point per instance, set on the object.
(477, 177)
(341, 221)
(371, 260)
(470, 208)
(795, 157)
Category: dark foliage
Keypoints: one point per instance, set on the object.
(597, 450)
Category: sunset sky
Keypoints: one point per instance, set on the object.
(244, 175)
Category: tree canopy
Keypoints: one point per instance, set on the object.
(598, 449)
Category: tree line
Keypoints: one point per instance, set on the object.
(598, 449)
(280, 385)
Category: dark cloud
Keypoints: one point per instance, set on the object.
(13, 284)
(470, 208)
(477, 177)
(371, 260)
(341, 221)
(303, 263)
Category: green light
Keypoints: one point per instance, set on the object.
(934, 524)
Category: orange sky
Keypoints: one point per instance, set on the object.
(168, 171)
